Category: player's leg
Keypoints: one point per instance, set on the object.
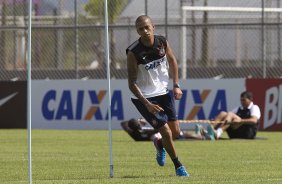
(172, 130)
(228, 117)
(152, 119)
(220, 117)
(232, 117)
(217, 130)
(156, 123)
(164, 143)
(175, 129)
(167, 142)
(189, 135)
(167, 103)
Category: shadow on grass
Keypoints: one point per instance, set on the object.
(233, 139)
(131, 177)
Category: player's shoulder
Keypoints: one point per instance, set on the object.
(255, 106)
(161, 41)
(133, 46)
(161, 38)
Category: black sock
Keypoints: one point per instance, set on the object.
(176, 162)
(160, 143)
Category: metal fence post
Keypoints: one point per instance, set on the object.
(76, 40)
(263, 40)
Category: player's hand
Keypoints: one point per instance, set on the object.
(153, 108)
(177, 93)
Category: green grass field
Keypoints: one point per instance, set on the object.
(66, 157)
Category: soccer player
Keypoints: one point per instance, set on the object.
(150, 59)
(245, 119)
(139, 130)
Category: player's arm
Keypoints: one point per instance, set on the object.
(132, 70)
(173, 66)
(251, 120)
(255, 115)
(237, 119)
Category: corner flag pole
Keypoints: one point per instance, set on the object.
(29, 92)
(107, 56)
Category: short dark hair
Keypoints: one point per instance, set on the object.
(134, 124)
(141, 18)
(247, 94)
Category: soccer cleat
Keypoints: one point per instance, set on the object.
(198, 129)
(161, 154)
(210, 134)
(181, 171)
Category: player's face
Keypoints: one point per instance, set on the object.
(145, 29)
(245, 102)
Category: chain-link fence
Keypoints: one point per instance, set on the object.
(210, 38)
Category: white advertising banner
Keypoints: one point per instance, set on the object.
(78, 104)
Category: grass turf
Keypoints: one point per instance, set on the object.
(67, 157)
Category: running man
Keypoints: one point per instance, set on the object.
(149, 62)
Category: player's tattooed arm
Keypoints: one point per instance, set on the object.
(132, 70)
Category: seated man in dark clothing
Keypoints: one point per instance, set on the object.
(140, 130)
(244, 119)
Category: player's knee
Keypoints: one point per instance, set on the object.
(165, 132)
(231, 114)
(222, 114)
(175, 134)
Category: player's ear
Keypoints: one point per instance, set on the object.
(138, 31)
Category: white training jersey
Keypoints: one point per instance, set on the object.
(153, 67)
(253, 110)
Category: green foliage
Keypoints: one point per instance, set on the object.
(82, 157)
(96, 8)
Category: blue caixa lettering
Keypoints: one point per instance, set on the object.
(197, 102)
(67, 108)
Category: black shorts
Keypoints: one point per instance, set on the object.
(243, 132)
(160, 119)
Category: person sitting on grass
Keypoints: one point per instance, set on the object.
(242, 122)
